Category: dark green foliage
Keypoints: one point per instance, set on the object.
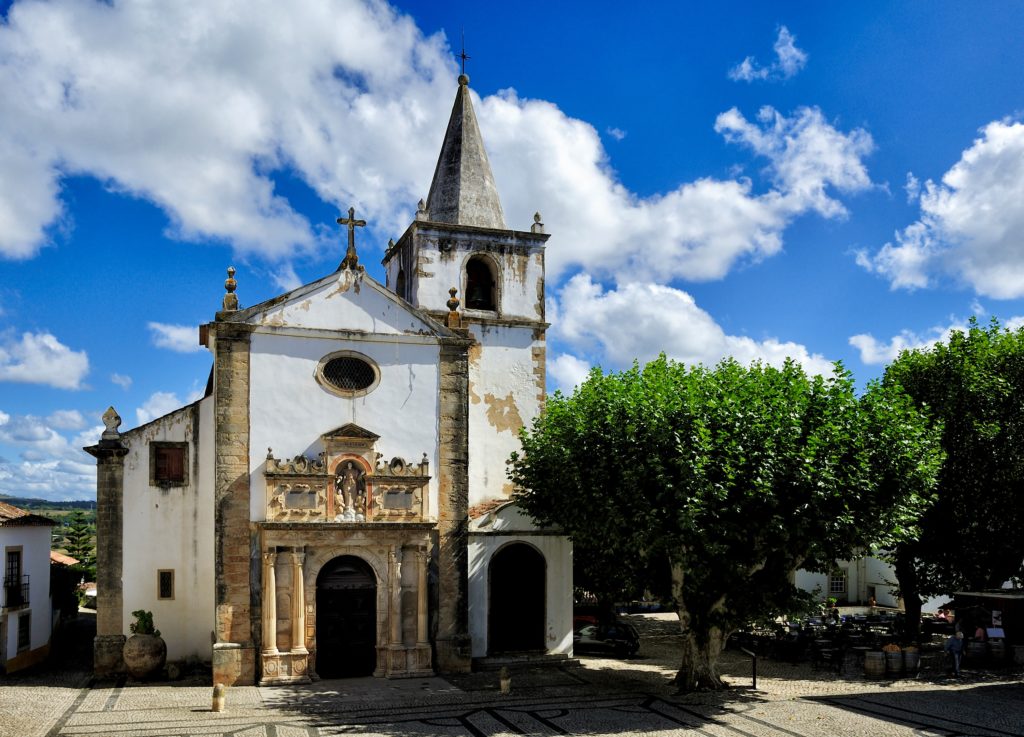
(78, 538)
(732, 477)
(972, 537)
(143, 624)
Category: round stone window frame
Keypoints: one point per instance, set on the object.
(339, 391)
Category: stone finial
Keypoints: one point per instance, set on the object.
(421, 211)
(111, 421)
(538, 226)
(453, 321)
(391, 243)
(230, 303)
(463, 80)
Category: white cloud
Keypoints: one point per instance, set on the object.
(698, 231)
(970, 223)
(912, 188)
(125, 382)
(788, 61)
(180, 338)
(158, 405)
(49, 467)
(39, 358)
(876, 352)
(67, 419)
(639, 321)
(617, 133)
(567, 371)
(218, 101)
(221, 100)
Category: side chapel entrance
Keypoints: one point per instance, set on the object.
(346, 618)
(516, 581)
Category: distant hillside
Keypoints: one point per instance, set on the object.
(37, 504)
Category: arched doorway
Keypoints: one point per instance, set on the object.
(515, 613)
(346, 618)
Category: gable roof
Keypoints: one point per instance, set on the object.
(12, 516)
(373, 308)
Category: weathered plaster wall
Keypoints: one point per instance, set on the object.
(172, 528)
(505, 393)
(290, 410)
(862, 574)
(510, 525)
(35, 563)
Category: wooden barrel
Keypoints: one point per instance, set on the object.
(894, 663)
(874, 664)
(975, 650)
(911, 660)
(997, 649)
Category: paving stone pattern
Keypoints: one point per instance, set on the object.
(603, 697)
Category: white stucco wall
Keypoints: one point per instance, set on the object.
(503, 397)
(342, 302)
(861, 575)
(517, 278)
(290, 410)
(34, 542)
(172, 528)
(557, 551)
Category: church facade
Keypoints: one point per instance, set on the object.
(337, 503)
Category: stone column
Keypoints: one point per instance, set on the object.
(234, 656)
(269, 603)
(421, 597)
(298, 602)
(395, 583)
(452, 636)
(110, 638)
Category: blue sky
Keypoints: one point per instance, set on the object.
(828, 181)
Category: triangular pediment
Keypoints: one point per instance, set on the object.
(350, 431)
(346, 300)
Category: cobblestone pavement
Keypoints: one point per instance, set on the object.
(602, 697)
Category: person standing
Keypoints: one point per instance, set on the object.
(955, 647)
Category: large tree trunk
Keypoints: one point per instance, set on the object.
(906, 576)
(698, 670)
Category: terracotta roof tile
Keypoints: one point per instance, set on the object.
(11, 516)
(479, 510)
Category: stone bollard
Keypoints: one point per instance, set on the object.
(505, 679)
(218, 697)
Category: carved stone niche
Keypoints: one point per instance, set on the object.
(296, 489)
(349, 482)
(400, 490)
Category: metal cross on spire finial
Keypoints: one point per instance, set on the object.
(464, 55)
(351, 260)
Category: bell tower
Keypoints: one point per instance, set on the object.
(459, 239)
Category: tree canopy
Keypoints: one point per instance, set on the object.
(972, 538)
(733, 476)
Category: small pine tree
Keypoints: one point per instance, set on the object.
(78, 539)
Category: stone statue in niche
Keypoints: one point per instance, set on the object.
(350, 493)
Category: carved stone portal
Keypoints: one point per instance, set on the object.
(348, 482)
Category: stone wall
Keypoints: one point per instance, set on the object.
(234, 650)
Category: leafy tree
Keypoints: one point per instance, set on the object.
(971, 538)
(78, 539)
(734, 476)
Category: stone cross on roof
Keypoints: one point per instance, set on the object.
(351, 260)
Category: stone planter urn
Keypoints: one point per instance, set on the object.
(145, 652)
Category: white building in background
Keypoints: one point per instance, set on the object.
(337, 503)
(26, 614)
(856, 582)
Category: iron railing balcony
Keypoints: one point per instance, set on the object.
(16, 593)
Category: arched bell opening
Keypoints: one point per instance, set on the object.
(481, 284)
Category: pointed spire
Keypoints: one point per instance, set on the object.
(463, 191)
